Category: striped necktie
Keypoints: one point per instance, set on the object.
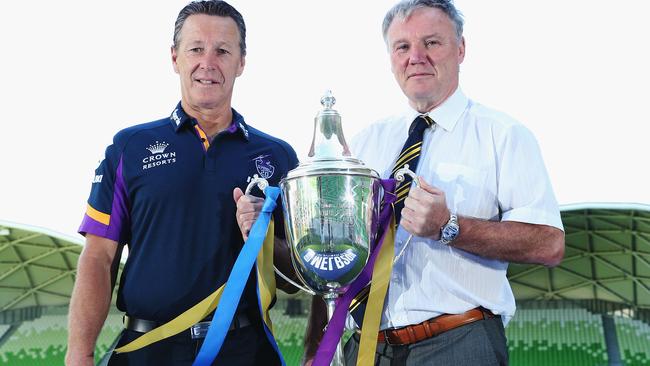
(410, 155)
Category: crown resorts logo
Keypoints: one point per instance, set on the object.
(158, 156)
(158, 148)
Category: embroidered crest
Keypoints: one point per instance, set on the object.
(264, 167)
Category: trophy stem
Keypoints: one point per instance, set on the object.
(330, 300)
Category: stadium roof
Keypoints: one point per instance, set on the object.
(37, 268)
(607, 257)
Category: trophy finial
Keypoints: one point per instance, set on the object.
(327, 125)
(328, 100)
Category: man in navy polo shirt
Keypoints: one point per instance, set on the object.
(165, 189)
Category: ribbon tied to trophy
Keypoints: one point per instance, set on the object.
(340, 228)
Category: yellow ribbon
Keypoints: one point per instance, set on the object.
(372, 316)
(182, 322)
(266, 283)
(265, 275)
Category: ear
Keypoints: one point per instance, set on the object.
(174, 56)
(461, 50)
(242, 63)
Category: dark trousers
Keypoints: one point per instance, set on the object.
(480, 343)
(243, 346)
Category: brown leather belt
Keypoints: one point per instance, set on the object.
(432, 327)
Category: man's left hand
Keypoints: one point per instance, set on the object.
(425, 211)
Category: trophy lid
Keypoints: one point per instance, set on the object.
(346, 166)
(329, 152)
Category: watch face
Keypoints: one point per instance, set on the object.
(449, 232)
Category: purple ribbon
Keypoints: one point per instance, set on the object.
(335, 326)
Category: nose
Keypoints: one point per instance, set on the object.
(417, 55)
(208, 61)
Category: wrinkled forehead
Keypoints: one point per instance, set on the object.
(438, 16)
(200, 25)
(428, 20)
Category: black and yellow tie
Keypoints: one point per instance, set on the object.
(410, 155)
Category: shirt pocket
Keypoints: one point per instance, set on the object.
(468, 190)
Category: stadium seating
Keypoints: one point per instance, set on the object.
(289, 333)
(535, 337)
(556, 337)
(633, 341)
(43, 341)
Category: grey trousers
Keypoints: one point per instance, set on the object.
(479, 343)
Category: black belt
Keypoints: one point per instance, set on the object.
(198, 330)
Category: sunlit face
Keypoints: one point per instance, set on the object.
(425, 56)
(208, 60)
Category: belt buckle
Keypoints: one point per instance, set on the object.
(199, 330)
(387, 338)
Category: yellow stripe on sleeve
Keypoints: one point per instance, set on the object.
(98, 216)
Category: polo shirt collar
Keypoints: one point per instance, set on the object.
(179, 118)
(445, 115)
(238, 124)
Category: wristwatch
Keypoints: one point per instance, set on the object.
(450, 230)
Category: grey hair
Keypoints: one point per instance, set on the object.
(405, 8)
(211, 7)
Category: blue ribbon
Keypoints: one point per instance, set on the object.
(236, 281)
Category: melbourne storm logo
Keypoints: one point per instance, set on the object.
(264, 167)
(158, 156)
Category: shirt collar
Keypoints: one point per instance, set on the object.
(445, 115)
(179, 118)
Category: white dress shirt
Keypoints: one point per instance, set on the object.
(490, 167)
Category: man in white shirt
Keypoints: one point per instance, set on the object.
(484, 200)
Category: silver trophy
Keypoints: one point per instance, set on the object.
(331, 207)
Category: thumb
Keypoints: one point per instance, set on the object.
(237, 193)
(428, 187)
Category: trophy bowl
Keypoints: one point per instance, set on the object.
(331, 209)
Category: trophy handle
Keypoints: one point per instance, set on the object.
(399, 175)
(262, 183)
(300, 287)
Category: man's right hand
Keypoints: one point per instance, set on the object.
(248, 209)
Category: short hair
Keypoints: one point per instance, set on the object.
(211, 7)
(405, 8)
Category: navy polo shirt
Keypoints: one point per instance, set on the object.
(166, 191)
